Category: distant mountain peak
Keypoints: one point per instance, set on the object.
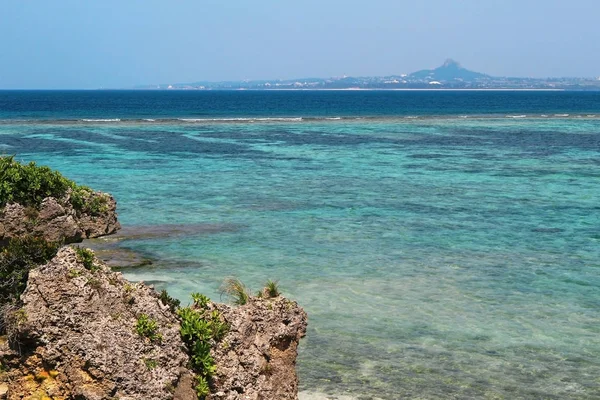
(451, 63)
(449, 71)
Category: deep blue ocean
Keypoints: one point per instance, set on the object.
(444, 244)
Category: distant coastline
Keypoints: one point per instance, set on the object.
(449, 76)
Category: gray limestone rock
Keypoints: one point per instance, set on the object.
(57, 219)
(257, 358)
(81, 327)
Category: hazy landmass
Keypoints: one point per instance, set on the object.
(450, 75)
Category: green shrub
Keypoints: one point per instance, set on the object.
(198, 329)
(86, 257)
(200, 300)
(17, 259)
(202, 388)
(148, 328)
(29, 184)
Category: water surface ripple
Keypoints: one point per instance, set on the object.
(436, 258)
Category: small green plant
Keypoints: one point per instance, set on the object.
(219, 328)
(94, 283)
(202, 388)
(32, 214)
(236, 290)
(267, 369)
(128, 287)
(113, 280)
(200, 300)
(86, 257)
(272, 289)
(198, 328)
(170, 388)
(84, 200)
(21, 316)
(167, 300)
(150, 363)
(148, 328)
(73, 273)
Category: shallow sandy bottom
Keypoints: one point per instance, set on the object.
(324, 396)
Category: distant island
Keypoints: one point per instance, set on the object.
(450, 75)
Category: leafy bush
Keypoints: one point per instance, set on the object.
(148, 328)
(202, 388)
(200, 300)
(17, 259)
(29, 184)
(86, 257)
(197, 330)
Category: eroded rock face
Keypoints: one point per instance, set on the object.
(79, 339)
(57, 220)
(256, 360)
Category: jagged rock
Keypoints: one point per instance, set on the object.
(78, 338)
(257, 358)
(57, 220)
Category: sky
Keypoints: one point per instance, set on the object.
(89, 44)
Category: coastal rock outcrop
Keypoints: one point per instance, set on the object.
(90, 334)
(84, 332)
(59, 220)
(257, 358)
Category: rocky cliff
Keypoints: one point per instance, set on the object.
(257, 358)
(57, 219)
(79, 337)
(84, 332)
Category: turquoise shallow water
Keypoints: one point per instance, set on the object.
(437, 258)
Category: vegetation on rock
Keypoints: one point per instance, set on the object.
(29, 184)
(200, 300)
(199, 327)
(148, 328)
(86, 257)
(236, 290)
(16, 260)
(272, 289)
(167, 300)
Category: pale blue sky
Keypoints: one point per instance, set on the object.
(122, 43)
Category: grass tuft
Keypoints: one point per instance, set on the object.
(236, 290)
(272, 289)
